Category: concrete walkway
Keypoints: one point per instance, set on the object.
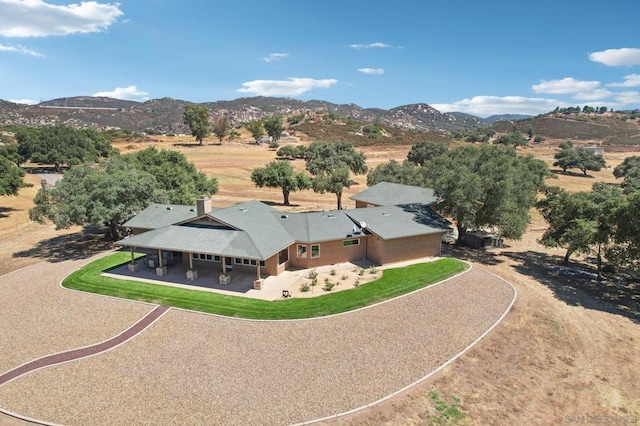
(192, 368)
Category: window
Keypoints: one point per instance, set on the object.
(254, 262)
(238, 261)
(205, 257)
(246, 261)
(283, 256)
(315, 250)
(347, 243)
(302, 250)
(262, 263)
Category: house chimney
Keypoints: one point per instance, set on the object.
(203, 205)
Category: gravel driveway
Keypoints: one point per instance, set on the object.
(191, 368)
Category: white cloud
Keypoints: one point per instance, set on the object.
(631, 80)
(272, 57)
(36, 18)
(18, 49)
(129, 93)
(23, 101)
(627, 98)
(565, 86)
(376, 45)
(617, 57)
(371, 71)
(593, 95)
(289, 87)
(484, 106)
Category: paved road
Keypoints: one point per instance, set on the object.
(202, 369)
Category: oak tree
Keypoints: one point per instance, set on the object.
(197, 118)
(331, 165)
(281, 174)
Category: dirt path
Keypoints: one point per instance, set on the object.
(84, 352)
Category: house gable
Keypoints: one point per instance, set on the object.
(160, 215)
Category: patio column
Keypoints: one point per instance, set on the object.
(224, 265)
(132, 258)
(190, 260)
(160, 258)
(258, 269)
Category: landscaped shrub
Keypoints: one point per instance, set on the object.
(328, 285)
(312, 274)
(304, 287)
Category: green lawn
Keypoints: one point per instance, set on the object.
(394, 282)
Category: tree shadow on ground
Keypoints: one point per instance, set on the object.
(189, 145)
(568, 173)
(5, 210)
(577, 286)
(470, 254)
(76, 246)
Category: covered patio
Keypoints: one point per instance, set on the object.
(241, 282)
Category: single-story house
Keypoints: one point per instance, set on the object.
(255, 236)
(597, 150)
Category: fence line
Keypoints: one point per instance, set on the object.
(15, 227)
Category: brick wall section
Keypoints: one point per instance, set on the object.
(330, 252)
(363, 204)
(399, 249)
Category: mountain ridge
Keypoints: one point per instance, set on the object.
(164, 115)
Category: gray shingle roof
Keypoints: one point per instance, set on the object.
(222, 242)
(259, 222)
(393, 194)
(317, 226)
(390, 222)
(160, 215)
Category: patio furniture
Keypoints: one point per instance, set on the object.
(151, 263)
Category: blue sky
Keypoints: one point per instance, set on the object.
(479, 57)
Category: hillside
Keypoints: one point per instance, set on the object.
(326, 126)
(610, 128)
(165, 115)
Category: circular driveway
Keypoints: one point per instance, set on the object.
(192, 368)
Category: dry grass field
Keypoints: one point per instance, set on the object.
(567, 350)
